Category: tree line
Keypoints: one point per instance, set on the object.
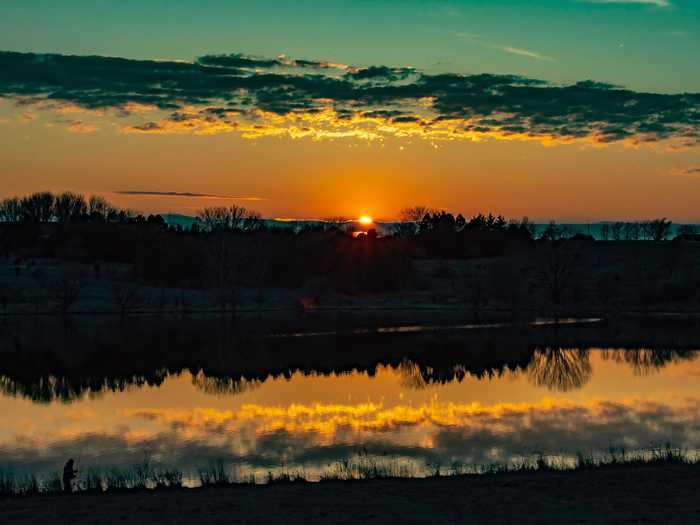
(67, 207)
(653, 230)
(421, 219)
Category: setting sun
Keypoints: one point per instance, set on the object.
(365, 219)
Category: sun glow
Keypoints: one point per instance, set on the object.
(365, 219)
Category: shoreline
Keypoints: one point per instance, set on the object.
(649, 493)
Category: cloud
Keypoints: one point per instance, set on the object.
(78, 126)
(239, 60)
(187, 194)
(258, 97)
(688, 172)
(657, 3)
(318, 435)
(380, 72)
(526, 53)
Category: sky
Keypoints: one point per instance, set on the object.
(573, 110)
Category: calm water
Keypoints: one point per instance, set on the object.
(420, 403)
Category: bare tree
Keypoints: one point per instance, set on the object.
(213, 219)
(70, 207)
(252, 222)
(11, 210)
(554, 232)
(560, 369)
(411, 219)
(646, 361)
(219, 218)
(415, 213)
(632, 231)
(660, 229)
(616, 230)
(38, 207)
(99, 209)
(687, 230)
(237, 216)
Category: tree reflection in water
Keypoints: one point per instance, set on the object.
(646, 360)
(557, 369)
(560, 369)
(222, 385)
(66, 365)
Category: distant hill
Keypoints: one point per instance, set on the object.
(176, 219)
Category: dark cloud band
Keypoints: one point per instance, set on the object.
(186, 194)
(258, 96)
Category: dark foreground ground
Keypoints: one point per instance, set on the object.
(646, 494)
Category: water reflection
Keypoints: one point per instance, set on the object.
(219, 385)
(647, 360)
(230, 364)
(560, 369)
(39, 378)
(261, 434)
(194, 394)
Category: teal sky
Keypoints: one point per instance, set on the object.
(649, 45)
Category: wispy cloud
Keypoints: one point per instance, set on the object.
(465, 34)
(526, 53)
(188, 194)
(688, 172)
(78, 126)
(657, 3)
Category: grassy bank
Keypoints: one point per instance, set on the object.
(649, 492)
(360, 467)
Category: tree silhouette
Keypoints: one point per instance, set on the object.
(70, 207)
(38, 207)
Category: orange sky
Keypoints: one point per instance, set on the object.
(573, 111)
(306, 178)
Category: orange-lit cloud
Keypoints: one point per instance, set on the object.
(321, 433)
(686, 172)
(78, 126)
(331, 419)
(284, 97)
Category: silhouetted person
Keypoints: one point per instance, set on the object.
(69, 474)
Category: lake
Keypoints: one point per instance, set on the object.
(193, 393)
